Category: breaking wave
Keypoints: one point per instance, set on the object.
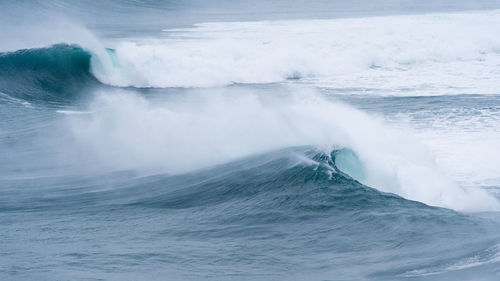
(177, 136)
(421, 54)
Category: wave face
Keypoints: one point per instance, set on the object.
(420, 55)
(50, 74)
(295, 171)
(306, 213)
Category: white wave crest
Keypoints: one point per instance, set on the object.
(424, 54)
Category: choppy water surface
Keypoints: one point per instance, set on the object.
(291, 140)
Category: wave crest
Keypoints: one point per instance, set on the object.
(417, 54)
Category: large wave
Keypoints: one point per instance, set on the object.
(391, 55)
(267, 198)
(279, 178)
(417, 54)
(184, 133)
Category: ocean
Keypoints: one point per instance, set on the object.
(250, 140)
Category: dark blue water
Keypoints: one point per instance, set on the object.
(290, 140)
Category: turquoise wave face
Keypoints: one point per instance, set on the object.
(52, 74)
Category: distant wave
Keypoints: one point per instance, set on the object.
(390, 55)
(412, 54)
(52, 74)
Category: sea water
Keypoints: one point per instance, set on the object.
(238, 140)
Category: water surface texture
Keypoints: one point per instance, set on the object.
(250, 140)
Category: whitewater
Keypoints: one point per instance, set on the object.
(361, 144)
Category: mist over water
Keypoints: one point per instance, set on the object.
(234, 140)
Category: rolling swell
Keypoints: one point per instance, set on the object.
(54, 74)
(275, 187)
(301, 180)
(308, 209)
(292, 205)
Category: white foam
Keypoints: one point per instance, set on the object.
(126, 131)
(466, 145)
(72, 112)
(15, 100)
(413, 54)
